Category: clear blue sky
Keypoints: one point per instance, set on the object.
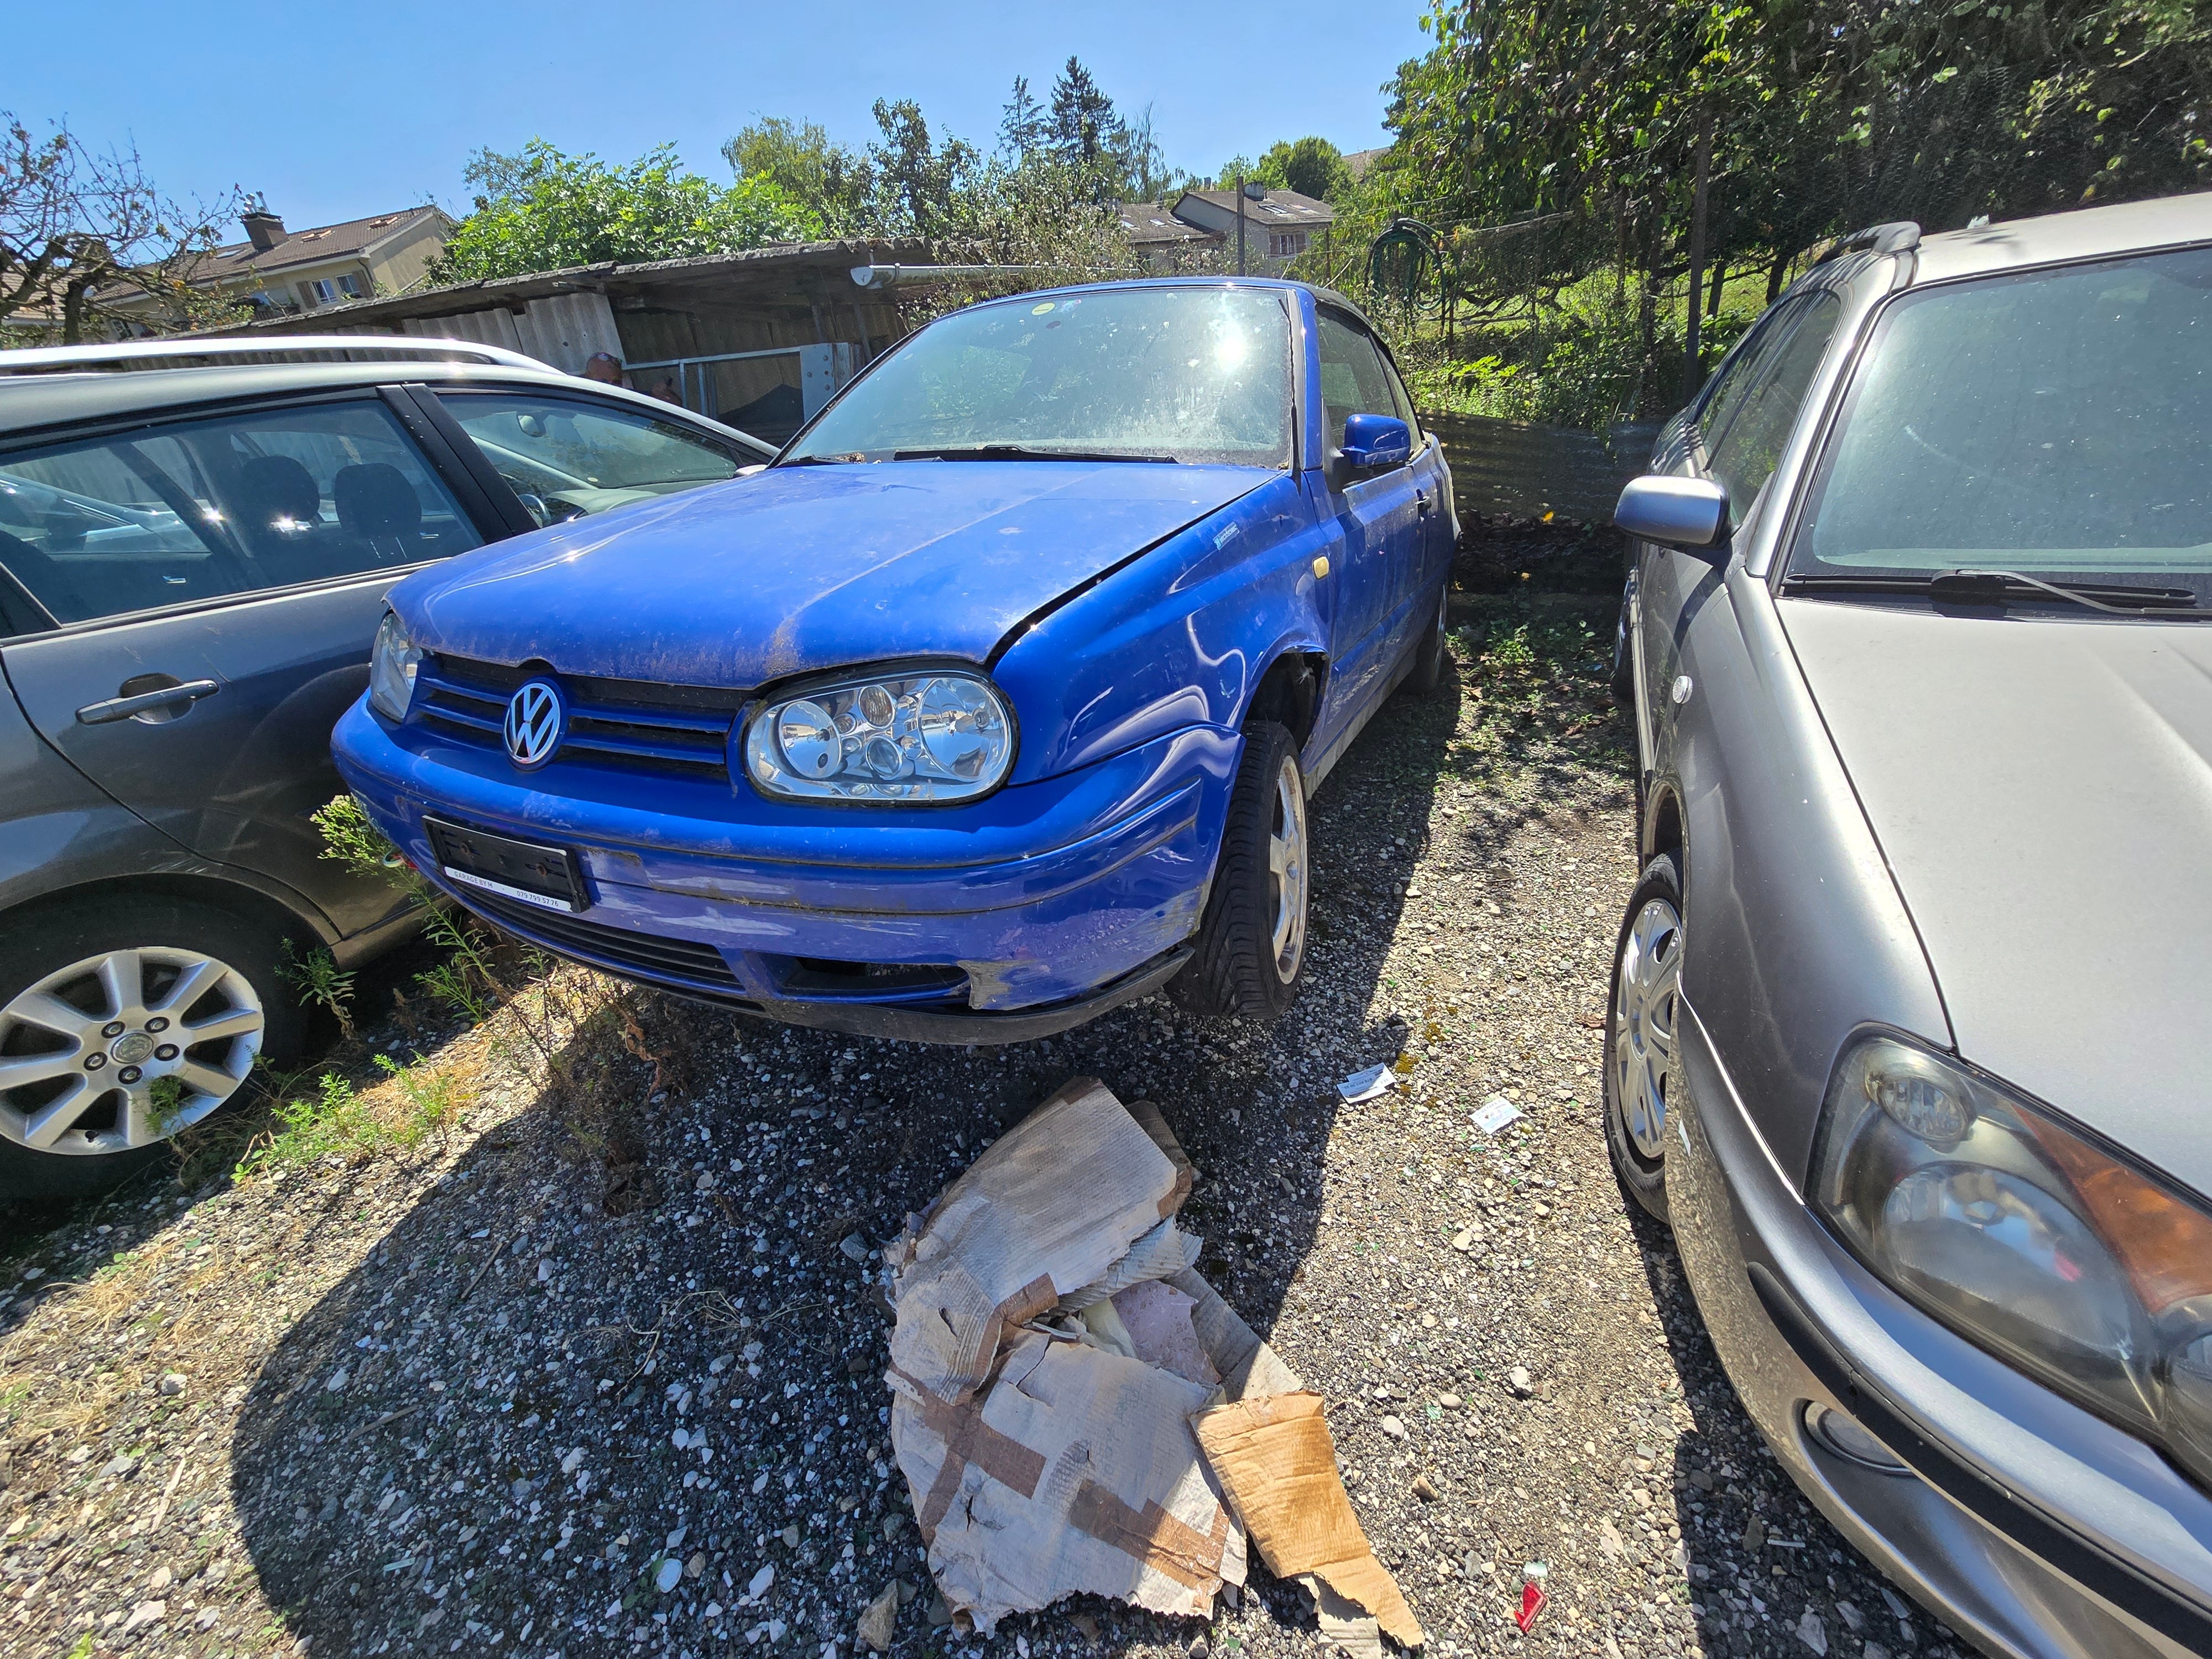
(336, 111)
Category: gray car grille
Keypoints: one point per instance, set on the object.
(682, 729)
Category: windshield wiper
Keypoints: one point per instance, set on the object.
(1996, 587)
(1025, 452)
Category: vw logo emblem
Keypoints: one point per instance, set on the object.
(534, 725)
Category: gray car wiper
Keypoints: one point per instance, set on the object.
(1997, 587)
(1025, 452)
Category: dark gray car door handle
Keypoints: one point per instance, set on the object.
(122, 709)
(1426, 498)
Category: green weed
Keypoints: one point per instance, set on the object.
(319, 982)
(339, 1121)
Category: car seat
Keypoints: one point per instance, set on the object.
(376, 503)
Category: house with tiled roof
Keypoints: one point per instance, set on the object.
(1279, 225)
(281, 272)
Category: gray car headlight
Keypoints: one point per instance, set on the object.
(2025, 1236)
(391, 665)
(920, 735)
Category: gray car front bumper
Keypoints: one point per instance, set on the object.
(2025, 1523)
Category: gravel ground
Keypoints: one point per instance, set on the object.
(607, 1381)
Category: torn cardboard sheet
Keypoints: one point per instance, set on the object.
(1277, 1461)
(1054, 1347)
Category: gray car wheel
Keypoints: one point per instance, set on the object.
(124, 1023)
(1250, 950)
(1640, 1030)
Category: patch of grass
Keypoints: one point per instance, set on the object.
(410, 1107)
(318, 980)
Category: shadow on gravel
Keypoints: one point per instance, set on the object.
(524, 1412)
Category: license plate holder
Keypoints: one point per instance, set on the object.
(550, 878)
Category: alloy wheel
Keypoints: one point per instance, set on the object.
(1643, 1014)
(1286, 869)
(124, 1049)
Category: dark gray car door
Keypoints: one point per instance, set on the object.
(217, 585)
(1734, 437)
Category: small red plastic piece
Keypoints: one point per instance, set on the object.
(1533, 1602)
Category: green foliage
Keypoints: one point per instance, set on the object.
(317, 982)
(338, 1120)
(541, 209)
(805, 163)
(1312, 167)
(348, 838)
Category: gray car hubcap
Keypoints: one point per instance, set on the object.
(1644, 1023)
(124, 1049)
(1286, 869)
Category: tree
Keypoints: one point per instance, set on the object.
(1025, 128)
(1312, 167)
(806, 165)
(540, 209)
(85, 238)
(921, 186)
(1084, 128)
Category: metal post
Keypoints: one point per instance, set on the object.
(1240, 224)
(1691, 377)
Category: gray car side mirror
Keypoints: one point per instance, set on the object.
(1690, 513)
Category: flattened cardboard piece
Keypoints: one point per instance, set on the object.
(1346, 1625)
(1075, 1471)
(1159, 1254)
(1156, 1319)
(1051, 1204)
(1249, 1368)
(1277, 1461)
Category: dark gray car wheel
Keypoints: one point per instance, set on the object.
(1640, 1027)
(1431, 656)
(1250, 950)
(123, 1022)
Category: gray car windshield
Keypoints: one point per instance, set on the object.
(1193, 374)
(2058, 424)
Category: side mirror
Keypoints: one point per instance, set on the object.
(1690, 513)
(1371, 442)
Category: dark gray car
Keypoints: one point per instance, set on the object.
(192, 565)
(1911, 1004)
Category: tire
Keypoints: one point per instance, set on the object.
(1431, 656)
(1249, 949)
(66, 996)
(1643, 1007)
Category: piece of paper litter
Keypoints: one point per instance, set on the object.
(1277, 1461)
(1365, 1086)
(1494, 1114)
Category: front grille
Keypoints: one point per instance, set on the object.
(684, 729)
(650, 956)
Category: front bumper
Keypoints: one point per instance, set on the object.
(1004, 919)
(2026, 1524)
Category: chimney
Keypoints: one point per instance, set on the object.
(262, 228)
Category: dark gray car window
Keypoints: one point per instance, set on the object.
(564, 457)
(1742, 455)
(1353, 379)
(2055, 421)
(197, 509)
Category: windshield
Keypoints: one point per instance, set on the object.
(1193, 374)
(2058, 424)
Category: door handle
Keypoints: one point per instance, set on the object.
(1426, 498)
(168, 696)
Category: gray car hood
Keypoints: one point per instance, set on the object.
(2042, 789)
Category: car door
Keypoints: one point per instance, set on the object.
(563, 455)
(1379, 516)
(215, 596)
(1734, 437)
(1436, 537)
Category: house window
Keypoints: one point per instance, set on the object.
(1286, 245)
(329, 291)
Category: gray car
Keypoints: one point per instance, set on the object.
(193, 564)
(1911, 1004)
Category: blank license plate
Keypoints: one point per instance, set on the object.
(550, 878)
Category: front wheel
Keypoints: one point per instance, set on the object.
(124, 1020)
(1640, 1031)
(1249, 949)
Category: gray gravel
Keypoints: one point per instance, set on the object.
(453, 1405)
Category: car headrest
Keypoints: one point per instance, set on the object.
(375, 499)
(274, 489)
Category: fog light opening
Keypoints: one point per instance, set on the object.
(1843, 1434)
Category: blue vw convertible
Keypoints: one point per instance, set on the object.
(994, 702)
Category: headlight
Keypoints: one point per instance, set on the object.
(392, 667)
(2025, 1236)
(909, 737)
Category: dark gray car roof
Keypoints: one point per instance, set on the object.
(31, 404)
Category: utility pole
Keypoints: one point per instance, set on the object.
(1691, 377)
(1240, 224)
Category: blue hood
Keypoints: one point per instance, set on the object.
(802, 569)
